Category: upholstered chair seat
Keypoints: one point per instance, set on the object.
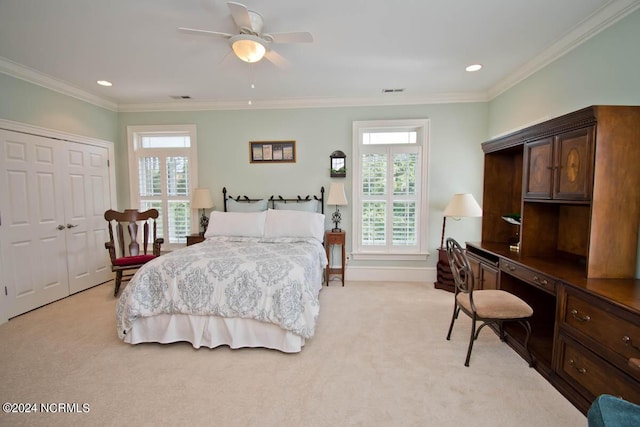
(496, 304)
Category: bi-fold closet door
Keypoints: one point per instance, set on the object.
(53, 194)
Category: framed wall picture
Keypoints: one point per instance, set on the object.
(272, 151)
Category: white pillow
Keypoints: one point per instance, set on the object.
(234, 206)
(239, 224)
(306, 206)
(294, 224)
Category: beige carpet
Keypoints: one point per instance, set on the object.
(379, 358)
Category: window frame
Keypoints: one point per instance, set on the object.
(136, 151)
(388, 251)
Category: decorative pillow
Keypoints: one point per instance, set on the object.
(306, 206)
(288, 223)
(238, 224)
(234, 206)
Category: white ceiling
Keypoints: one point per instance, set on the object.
(360, 47)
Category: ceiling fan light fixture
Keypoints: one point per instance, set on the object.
(248, 48)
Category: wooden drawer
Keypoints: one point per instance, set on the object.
(532, 277)
(593, 376)
(613, 332)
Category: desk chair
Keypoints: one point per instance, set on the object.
(490, 306)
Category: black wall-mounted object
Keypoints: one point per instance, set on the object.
(338, 164)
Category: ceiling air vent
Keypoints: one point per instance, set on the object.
(393, 90)
(179, 96)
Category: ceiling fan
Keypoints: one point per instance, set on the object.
(251, 44)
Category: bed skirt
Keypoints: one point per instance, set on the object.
(212, 331)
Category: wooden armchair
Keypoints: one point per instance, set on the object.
(125, 258)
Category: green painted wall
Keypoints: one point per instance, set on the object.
(603, 70)
(223, 153)
(24, 102)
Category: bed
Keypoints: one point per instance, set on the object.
(253, 282)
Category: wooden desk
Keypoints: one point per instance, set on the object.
(334, 238)
(584, 332)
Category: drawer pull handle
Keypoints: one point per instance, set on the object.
(627, 340)
(573, 365)
(543, 282)
(585, 318)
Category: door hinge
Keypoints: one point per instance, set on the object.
(6, 293)
(108, 163)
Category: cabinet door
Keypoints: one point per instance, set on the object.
(488, 277)
(485, 275)
(476, 269)
(574, 161)
(538, 169)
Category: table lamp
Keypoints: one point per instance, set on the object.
(339, 198)
(201, 199)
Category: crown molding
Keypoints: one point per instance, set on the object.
(606, 16)
(30, 75)
(444, 98)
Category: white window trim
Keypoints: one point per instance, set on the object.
(133, 133)
(422, 126)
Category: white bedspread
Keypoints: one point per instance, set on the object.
(276, 282)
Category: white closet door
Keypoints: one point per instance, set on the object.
(87, 197)
(32, 245)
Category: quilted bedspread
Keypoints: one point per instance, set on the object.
(275, 282)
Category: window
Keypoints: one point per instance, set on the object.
(389, 189)
(162, 170)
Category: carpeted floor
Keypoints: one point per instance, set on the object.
(379, 358)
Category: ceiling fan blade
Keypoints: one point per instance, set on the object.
(205, 32)
(299, 37)
(276, 59)
(240, 15)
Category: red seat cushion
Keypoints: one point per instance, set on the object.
(133, 260)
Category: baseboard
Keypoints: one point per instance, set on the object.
(391, 274)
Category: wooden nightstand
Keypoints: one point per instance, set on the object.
(444, 277)
(192, 239)
(334, 238)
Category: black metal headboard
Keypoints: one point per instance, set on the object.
(274, 199)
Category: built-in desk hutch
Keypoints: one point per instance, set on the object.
(575, 182)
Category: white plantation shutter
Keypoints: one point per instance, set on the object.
(178, 201)
(164, 158)
(404, 199)
(389, 197)
(374, 189)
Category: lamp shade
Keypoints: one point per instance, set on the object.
(337, 195)
(201, 199)
(248, 48)
(463, 205)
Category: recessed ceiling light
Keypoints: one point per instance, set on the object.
(474, 67)
(104, 83)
